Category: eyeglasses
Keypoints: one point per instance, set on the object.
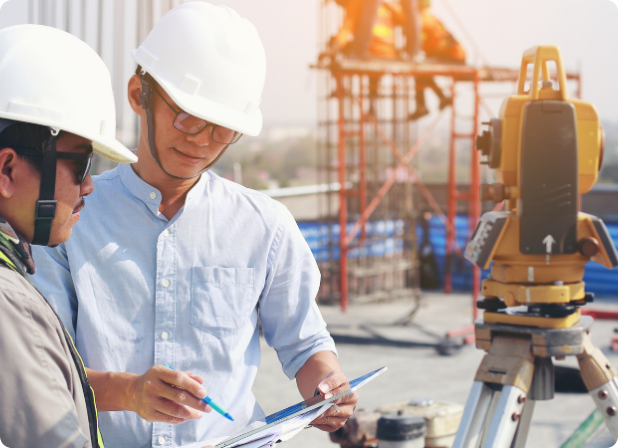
(192, 125)
(83, 160)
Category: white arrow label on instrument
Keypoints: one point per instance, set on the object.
(549, 241)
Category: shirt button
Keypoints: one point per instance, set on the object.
(161, 440)
(165, 232)
(153, 195)
(165, 283)
(165, 335)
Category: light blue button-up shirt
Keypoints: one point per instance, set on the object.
(135, 290)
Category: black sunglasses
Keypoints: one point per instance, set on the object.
(192, 125)
(83, 160)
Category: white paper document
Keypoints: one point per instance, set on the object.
(280, 432)
(285, 424)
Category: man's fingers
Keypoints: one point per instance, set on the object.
(336, 383)
(329, 420)
(181, 396)
(344, 412)
(340, 390)
(347, 399)
(332, 381)
(164, 418)
(182, 380)
(173, 409)
(328, 423)
(199, 379)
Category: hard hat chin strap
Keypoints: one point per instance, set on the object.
(145, 100)
(45, 211)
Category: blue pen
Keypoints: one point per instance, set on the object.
(211, 403)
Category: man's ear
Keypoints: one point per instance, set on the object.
(133, 93)
(8, 162)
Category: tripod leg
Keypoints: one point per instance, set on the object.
(505, 420)
(508, 367)
(524, 425)
(606, 400)
(475, 413)
(600, 380)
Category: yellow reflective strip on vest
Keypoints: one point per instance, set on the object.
(96, 413)
(9, 262)
(12, 266)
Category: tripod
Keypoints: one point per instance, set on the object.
(518, 370)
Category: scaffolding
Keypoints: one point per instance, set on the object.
(366, 147)
(372, 213)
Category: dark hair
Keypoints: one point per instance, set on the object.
(147, 76)
(26, 135)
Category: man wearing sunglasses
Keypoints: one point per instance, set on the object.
(48, 130)
(171, 263)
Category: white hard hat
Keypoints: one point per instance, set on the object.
(211, 62)
(52, 78)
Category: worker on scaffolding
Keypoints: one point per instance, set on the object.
(440, 47)
(368, 29)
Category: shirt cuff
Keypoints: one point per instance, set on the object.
(293, 358)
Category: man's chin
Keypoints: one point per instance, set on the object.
(55, 241)
(62, 234)
(187, 172)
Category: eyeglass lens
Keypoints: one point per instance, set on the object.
(82, 164)
(84, 169)
(188, 123)
(192, 125)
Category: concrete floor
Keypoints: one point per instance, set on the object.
(422, 373)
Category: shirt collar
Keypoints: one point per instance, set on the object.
(138, 188)
(16, 248)
(198, 188)
(150, 195)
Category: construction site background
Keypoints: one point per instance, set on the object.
(283, 162)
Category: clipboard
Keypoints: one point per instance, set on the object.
(303, 407)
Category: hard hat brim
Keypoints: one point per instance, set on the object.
(213, 112)
(107, 147)
(114, 150)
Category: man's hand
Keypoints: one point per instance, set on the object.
(169, 396)
(333, 384)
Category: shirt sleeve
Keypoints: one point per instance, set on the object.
(38, 408)
(53, 279)
(291, 320)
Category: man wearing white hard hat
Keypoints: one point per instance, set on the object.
(171, 263)
(56, 107)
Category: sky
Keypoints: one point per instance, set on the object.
(586, 31)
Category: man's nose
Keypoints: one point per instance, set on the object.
(87, 187)
(203, 138)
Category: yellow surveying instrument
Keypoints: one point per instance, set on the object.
(547, 150)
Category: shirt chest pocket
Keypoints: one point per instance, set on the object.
(222, 299)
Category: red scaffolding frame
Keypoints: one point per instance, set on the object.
(344, 72)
